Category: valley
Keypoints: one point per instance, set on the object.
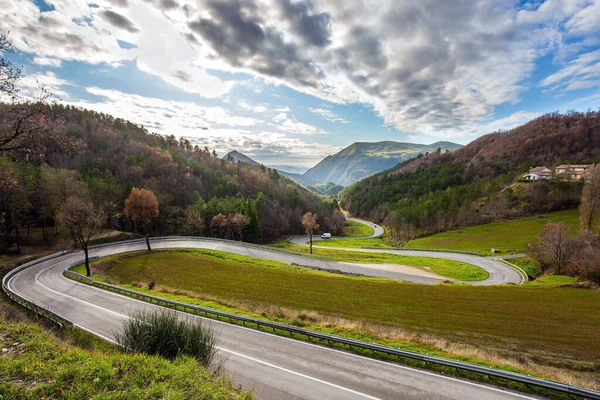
(144, 253)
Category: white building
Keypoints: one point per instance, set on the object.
(538, 173)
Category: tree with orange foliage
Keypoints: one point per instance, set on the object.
(309, 220)
(142, 207)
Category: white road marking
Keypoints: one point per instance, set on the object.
(310, 344)
(299, 374)
(264, 333)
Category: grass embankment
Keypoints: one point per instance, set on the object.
(446, 268)
(554, 332)
(35, 365)
(353, 228)
(38, 361)
(506, 236)
(355, 243)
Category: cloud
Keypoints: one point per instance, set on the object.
(119, 21)
(328, 115)
(237, 33)
(32, 84)
(289, 124)
(429, 67)
(313, 28)
(210, 126)
(47, 61)
(576, 73)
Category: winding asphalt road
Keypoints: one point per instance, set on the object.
(499, 273)
(275, 367)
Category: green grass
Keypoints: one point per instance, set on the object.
(36, 366)
(355, 243)
(561, 324)
(506, 236)
(529, 265)
(353, 228)
(446, 268)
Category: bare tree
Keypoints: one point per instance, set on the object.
(339, 221)
(589, 210)
(552, 248)
(82, 220)
(142, 207)
(218, 224)
(26, 124)
(9, 74)
(309, 220)
(237, 222)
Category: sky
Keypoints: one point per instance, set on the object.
(292, 81)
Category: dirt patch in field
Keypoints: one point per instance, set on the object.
(403, 269)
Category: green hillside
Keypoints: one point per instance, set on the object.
(506, 236)
(476, 184)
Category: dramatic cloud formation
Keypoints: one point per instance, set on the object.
(427, 68)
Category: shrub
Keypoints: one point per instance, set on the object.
(169, 335)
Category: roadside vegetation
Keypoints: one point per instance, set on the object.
(445, 268)
(163, 333)
(507, 236)
(544, 330)
(35, 364)
(353, 228)
(39, 361)
(356, 243)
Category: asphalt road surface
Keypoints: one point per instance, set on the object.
(499, 273)
(275, 367)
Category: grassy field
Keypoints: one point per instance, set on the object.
(558, 325)
(446, 268)
(34, 365)
(353, 228)
(355, 243)
(507, 236)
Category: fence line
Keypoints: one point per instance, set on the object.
(375, 348)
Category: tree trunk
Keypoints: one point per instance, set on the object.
(311, 243)
(148, 242)
(17, 238)
(87, 261)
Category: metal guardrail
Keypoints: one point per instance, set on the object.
(473, 253)
(62, 322)
(234, 318)
(243, 244)
(519, 269)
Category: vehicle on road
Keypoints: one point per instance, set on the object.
(326, 235)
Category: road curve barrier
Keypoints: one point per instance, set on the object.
(351, 343)
(44, 312)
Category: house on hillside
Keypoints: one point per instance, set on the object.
(573, 173)
(538, 173)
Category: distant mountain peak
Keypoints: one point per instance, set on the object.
(361, 159)
(238, 157)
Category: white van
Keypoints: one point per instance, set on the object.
(326, 236)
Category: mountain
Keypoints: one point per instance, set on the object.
(290, 169)
(300, 178)
(114, 155)
(480, 182)
(328, 188)
(362, 159)
(237, 157)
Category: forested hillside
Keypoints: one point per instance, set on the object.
(102, 158)
(362, 159)
(479, 182)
